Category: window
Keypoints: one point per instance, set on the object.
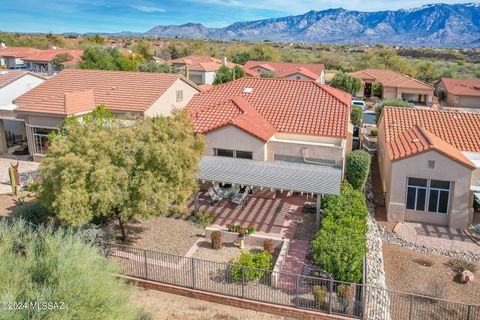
(299, 78)
(233, 153)
(431, 164)
(41, 141)
(439, 195)
(434, 194)
(179, 95)
(244, 155)
(416, 194)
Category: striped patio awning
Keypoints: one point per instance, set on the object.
(280, 175)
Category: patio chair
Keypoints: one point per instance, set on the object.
(240, 198)
(218, 190)
(214, 197)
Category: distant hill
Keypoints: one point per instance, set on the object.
(436, 25)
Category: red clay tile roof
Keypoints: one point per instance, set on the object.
(17, 52)
(251, 72)
(459, 129)
(462, 87)
(49, 55)
(120, 91)
(389, 78)
(201, 63)
(8, 76)
(283, 69)
(417, 140)
(290, 106)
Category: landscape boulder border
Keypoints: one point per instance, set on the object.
(378, 303)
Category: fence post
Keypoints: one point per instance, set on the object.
(469, 312)
(193, 273)
(410, 313)
(145, 263)
(330, 296)
(243, 282)
(296, 289)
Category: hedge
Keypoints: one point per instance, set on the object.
(341, 244)
(356, 116)
(392, 103)
(255, 265)
(357, 168)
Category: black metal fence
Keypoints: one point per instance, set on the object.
(298, 291)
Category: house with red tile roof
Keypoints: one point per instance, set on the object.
(11, 57)
(395, 85)
(13, 83)
(429, 164)
(76, 92)
(289, 70)
(42, 61)
(460, 94)
(271, 119)
(201, 69)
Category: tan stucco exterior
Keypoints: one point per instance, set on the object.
(471, 103)
(394, 182)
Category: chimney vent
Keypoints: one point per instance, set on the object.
(247, 90)
(224, 61)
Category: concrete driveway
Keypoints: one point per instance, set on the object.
(25, 168)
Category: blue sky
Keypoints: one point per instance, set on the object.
(128, 15)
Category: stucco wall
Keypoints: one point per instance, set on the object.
(17, 88)
(469, 102)
(297, 76)
(314, 151)
(168, 101)
(233, 138)
(445, 169)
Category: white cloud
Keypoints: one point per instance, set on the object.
(148, 9)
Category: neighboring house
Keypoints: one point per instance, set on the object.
(274, 135)
(289, 70)
(42, 61)
(76, 92)
(461, 94)
(13, 83)
(395, 85)
(429, 163)
(200, 69)
(12, 57)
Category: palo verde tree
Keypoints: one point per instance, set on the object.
(58, 61)
(119, 168)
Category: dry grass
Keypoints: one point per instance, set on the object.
(408, 271)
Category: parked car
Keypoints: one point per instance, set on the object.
(359, 103)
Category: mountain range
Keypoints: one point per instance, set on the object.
(435, 25)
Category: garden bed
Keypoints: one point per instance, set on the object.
(174, 235)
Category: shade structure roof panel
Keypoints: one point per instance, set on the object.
(280, 175)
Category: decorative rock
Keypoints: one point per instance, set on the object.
(467, 276)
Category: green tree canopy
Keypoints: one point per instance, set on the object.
(346, 82)
(106, 59)
(427, 71)
(225, 74)
(45, 266)
(60, 59)
(143, 48)
(152, 66)
(120, 168)
(268, 74)
(264, 52)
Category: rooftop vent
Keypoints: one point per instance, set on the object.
(415, 140)
(248, 90)
(2, 73)
(114, 88)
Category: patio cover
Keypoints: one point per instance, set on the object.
(280, 175)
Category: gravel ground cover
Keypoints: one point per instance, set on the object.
(174, 235)
(427, 274)
(305, 229)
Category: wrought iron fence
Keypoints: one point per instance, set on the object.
(298, 291)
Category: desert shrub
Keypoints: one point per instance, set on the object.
(442, 95)
(255, 266)
(377, 89)
(459, 265)
(356, 116)
(357, 168)
(216, 238)
(46, 266)
(346, 82)
(374, 132)
(344, 294)
(320, 296)
(391, 103)
(203, 218)
(34, 212)
(269, 246)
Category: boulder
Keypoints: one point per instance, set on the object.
(466, 276)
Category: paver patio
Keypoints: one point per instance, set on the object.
(436, 236)
(276, 217)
